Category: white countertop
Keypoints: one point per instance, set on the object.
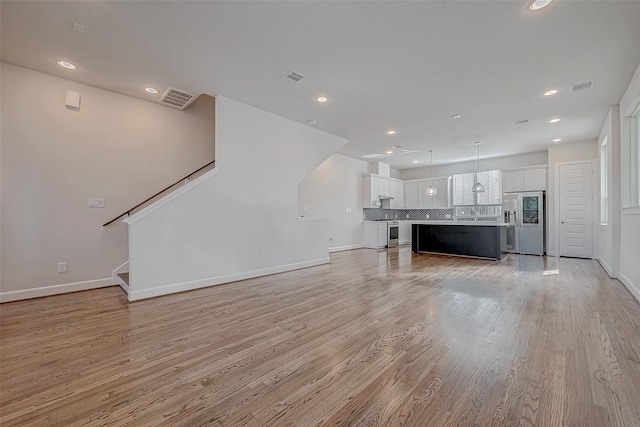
(417, 221)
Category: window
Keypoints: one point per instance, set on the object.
(604, 194)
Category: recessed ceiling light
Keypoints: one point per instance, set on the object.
(151, 89)
(389, 152)
(539, 4)
(557, 140)
(391, 132)
(312, 122)
(322, 99)
(554, 120)
(395, 147)
(456, 116)
(551, 92)
(67, 65)
(415, 161)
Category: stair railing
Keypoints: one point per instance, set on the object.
(188, 178)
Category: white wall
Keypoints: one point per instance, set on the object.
(607, 245)
(116, 147)
(328, 191)
(507, 162)
(241, 222)
(567, 152)
(629, 269)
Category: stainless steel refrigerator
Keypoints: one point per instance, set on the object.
(523, 212)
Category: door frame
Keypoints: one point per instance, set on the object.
(595, 198)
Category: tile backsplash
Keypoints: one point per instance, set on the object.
(374, 214)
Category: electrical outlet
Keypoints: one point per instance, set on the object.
(264, 254)
(407, 215)
(96, 203)
(304, 208)
(447, 216)
(427, 216)
(62, 267)
(386, 216)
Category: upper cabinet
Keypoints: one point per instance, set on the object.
(492, 181)
(374, 186)
(415, 193)
(463, 194)
(463, 183)
(524, 180)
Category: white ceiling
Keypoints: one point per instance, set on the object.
(408, 66)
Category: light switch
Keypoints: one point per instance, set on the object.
(96, 203)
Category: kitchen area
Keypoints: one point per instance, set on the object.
(445, 215)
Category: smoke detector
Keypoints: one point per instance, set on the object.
(176, 98)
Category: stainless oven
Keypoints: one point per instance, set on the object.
(393, 233)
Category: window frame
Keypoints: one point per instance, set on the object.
(604, 181)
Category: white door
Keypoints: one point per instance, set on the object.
(576, 223)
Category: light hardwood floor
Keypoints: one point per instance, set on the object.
(376, 338)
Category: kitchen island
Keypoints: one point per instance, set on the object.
(473, 238)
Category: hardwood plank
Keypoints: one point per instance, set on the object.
(376, 338)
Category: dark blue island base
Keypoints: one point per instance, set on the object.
(483, 241)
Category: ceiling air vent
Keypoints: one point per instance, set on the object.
(581, 86)
(293, 77)
(176, 98)
(520, 122)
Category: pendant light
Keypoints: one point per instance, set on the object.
(431, 191)
(477, 187)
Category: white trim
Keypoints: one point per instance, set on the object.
(312, 218)
(607, 268)
(523, 168)
(116, 279)
(64, 288)
(631, 210)
(171, 196)
(217, 280)
(345, 248)
(633, 289)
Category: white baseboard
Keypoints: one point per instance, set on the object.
(633, 288)
(345, 248)
(217, 280)
(607, 268)
(55, 289)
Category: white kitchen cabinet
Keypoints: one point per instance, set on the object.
(534, 180)
(371, 191)
(512, 181)
(492, 181)
(412, 195)
(393, 203)
(524, 180)
(399, 194)
(385, 186)
(415, 193)
(374, 234)
(463, 194)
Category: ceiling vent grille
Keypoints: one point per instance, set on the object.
(520, 122)
(293, 77)
(581, 86)
(176, 98)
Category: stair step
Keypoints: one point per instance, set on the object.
(124, 277)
